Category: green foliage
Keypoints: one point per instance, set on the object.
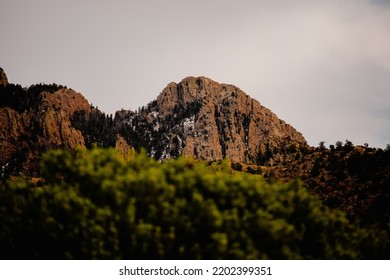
(99, 204)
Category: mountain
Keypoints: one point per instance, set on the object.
(200, 118)
(197, 117)
(210, 121)
(204, 119)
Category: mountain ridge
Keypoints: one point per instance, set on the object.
(196, 117)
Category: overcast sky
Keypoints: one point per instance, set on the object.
(322, 66)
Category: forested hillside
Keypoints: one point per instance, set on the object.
(352, 178)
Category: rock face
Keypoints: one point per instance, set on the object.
(43, 122)
(3, 78)
(210, 121)
(55, 115)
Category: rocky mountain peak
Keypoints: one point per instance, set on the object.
(209, 120)
(3, 78)
(189, 90)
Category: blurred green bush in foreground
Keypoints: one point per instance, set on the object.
(100, 204)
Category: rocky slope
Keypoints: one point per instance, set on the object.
(207, 120)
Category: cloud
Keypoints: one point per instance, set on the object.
(324, 68)
(380, 2)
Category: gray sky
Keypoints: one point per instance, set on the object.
(322, 66)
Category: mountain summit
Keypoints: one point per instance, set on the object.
(207, 120)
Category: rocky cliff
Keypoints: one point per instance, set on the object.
(34, 120)
(208, 120)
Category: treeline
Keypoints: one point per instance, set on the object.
(101, 204)
(21, 98)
